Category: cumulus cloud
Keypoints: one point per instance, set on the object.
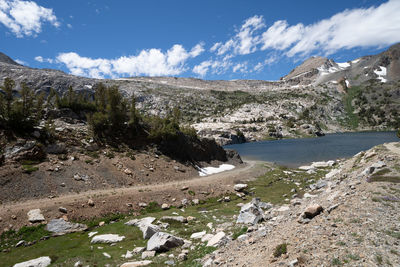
(214, 66)
(245, 40)
(376, 26)
(42, 59)
(280, 35)
(25, 18)
(151, 62)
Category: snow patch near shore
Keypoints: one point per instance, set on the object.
(212, 170)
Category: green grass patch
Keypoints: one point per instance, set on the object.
(336, 262)
(26, 233)
(238, 232)
(352, 120)
(280, 250)
(388, 179)
(28, 166)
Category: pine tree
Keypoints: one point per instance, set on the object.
(8, 88)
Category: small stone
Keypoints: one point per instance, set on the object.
(185, 202)
(190, 218)
(182, 256)
(195, 201)
(90, 202)
(107, 239)
(142, 205)
(78, 264)
(101, 223)
(174, 218)
(20, 243)
(217, 240)
(240, 187)
(312, 211)
(63, 210)
(107, 255)
(165, 206)
(128, 172)
(148, 254)
(198, 235)
(137, 263)
(35, 216)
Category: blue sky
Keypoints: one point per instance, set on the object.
(210, 39)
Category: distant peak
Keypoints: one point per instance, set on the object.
(6, 59)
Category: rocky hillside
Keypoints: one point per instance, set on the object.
(319, 96)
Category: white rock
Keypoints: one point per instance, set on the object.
(139, 222)
(206, 237)
(128, 254)
(283, 209)
(174, 218)
(35, 216)
(217, 240)
(148, 254)
(306, 168)
(198, 235)
(161, 242)
(107, 238)
(332, 173)
(39, 262)
(250, 213)
(323, 164)
(240, 187)
(243, 237)
(307, 195)
(136, 263)
(107, 255)
(92, 234)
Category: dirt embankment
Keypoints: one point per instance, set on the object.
(156, 188)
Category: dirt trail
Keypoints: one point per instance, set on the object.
(127, 199)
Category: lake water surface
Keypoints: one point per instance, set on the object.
(296, 152)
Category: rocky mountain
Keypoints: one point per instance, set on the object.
(318, 96)
(6, 59)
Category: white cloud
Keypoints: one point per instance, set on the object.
(376, 26)
(41, 59)
(240, 67)
(197, 50)
(21, 62)
(215, 47)
(258, 67)
(152, 62)
(245, 40)
(279, 36)
(69, 26)
(215, 66)
(25, 18)
(202, 68)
